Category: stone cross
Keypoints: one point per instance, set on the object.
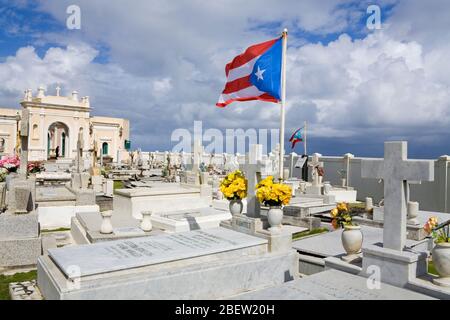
(396, 170)
(197, 154)
(79, 151)
(315, 164)
(24, 132)
(252, 170)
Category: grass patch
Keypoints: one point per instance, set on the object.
(55, 230)
(18, 277)
(308, 233)
(431, 268)
(357, 205)
(118, 184)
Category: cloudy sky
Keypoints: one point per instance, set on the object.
(161, 64)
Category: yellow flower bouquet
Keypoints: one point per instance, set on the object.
(273, 194)
(234, 186)
(341, 216)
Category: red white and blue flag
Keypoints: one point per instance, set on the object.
(296, 137)
(254, 74)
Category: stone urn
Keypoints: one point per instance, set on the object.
(106, 226)
(236, 206)
(327, 187)
(275, 217)
(8, 179)
(146, 223)
(352, 239)
(441, 261)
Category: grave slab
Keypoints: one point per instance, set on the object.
(175, 266)
(332, 285)
(85, 228)
(329, 244)
(175, 196)
(185, 220)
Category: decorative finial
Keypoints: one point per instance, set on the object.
(41, 92)
(75, 95)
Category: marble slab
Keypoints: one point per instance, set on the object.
(193, 219)
(332, 285)
(330, 245)
(126, 231)
(137, 252)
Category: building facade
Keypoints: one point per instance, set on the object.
(55, 124)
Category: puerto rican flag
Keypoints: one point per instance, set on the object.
(254, 74)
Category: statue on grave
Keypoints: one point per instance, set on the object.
(231, 163)
(211, 167)
(151, 160)
(275, 159)
(95, 171)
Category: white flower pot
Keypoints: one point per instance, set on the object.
(106, 227)
(441, 261)
(236, 206)
(275, 217)
(146, 223)
(352, 239)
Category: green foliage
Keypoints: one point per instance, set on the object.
(118, 184)
(55, 230)
(431, 269)
(18, 277)
(306, 233)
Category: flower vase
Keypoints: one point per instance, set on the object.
(106, 226)
(236, 206)
(275, 217)
(146, 223)
(441, 261)
(352, 239)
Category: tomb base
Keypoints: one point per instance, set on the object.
(20, 252)
(20, 241)
(396, 267)
(143, 268)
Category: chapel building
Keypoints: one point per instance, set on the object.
(55, 124)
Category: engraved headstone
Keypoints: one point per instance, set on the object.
(131, 253)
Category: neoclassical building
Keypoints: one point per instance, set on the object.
(55, 124)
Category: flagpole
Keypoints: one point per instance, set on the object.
(304, 140)
(283, 101)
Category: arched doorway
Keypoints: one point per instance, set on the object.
(57, 141)
(104, 148)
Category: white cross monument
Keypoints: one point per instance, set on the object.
(252, 169)
(396, 170)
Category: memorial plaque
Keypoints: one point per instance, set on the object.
(138, 252)
(300, 162)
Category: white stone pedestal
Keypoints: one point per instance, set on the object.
(395, 267)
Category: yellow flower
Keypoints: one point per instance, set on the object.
(234, 185)
(334, 212)
(342, 207)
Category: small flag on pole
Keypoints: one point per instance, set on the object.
(254, 74)
(296, 137)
